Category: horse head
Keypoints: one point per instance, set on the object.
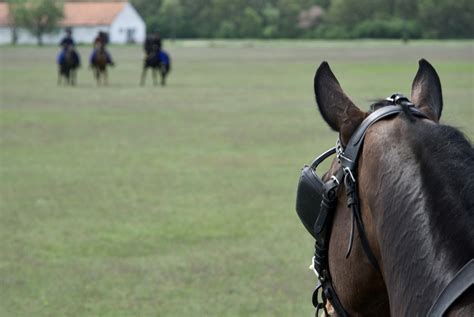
(389, 251)
(100, 46)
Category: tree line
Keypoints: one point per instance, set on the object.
(326, 19)
(268, 19)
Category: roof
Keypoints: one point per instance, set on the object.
(79, 13)
(4, 14)
(91, 13)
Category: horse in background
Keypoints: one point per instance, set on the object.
(156, 59)
(68, 64)
(99, 61)
(158, 62)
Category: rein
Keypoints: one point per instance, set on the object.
(346, 174)
(463, 279)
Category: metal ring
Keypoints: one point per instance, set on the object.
(348, 171)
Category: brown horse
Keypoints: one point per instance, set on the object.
(99, 61)
(415, 185)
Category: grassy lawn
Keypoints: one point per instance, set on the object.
(178, 201)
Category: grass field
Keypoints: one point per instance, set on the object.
(179, 201)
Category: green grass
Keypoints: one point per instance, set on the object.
(178, 201)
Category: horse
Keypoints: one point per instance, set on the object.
(157, 60)
(398, 239)
(100, 59)
(68, 66)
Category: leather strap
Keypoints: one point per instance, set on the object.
(463, 279)
(322, 229)
(348, 158)
(353, 204)
(351, 152)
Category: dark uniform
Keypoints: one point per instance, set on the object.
(65, 43)
(67, 40)
(152, 43)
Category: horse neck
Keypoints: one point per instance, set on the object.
(101, 57)
(415, 212)
(69, 55)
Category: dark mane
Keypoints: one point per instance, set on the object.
(446, 159)
(429, 211)
(446, 151)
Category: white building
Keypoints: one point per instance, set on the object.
(119, 19)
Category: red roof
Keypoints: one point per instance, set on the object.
(91, 13)
(79, 13)
(4, 14)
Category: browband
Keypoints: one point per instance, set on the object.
(349, 156)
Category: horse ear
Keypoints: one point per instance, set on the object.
(426, 91)
(337, 109)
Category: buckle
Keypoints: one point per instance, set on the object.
(399, 99)
(348, 171)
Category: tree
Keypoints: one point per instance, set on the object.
(38, 17)
(288, 20)
(226, 30)
(251, 23)
(271, 16)
(304, 18)
(348, 14)
(13, 7)
(170, 18)
(150, 11)
(447, 19)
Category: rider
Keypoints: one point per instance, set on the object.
(148, 45)
(101, 40)
(152, 43)
(66, 42)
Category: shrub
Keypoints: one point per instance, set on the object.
(226, 30)
(393, 28)
(330, 31)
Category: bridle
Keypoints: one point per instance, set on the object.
(317, 201)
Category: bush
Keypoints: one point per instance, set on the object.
(226, 30)
(251, 24)
(447, 18)
(328, 31)
(387, 29)
(270, 31)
